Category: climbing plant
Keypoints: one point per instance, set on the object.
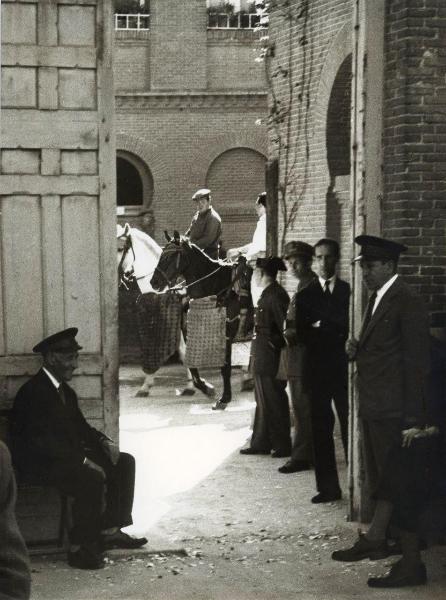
(288, 75)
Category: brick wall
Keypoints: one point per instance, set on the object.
(414, 205)
(318, 46)
(187, 101)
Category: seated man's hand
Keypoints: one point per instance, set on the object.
(351, 348)
(409, 435)
(93, 466)
(112, 450)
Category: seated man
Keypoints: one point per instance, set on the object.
(54, 445)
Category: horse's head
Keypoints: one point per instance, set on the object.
(172, 263)
(138, 255)
(126, 255)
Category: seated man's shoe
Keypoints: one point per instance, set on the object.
(250, 450)
(326, 497)
(122, 540)
(400, 576)
(294, 466)
(362, 548)
(280, 453)
(86, 558)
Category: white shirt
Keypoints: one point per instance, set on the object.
(382, 290)
(331, 284)
(258, 243)
(52, 378)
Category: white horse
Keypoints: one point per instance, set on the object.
(137, 260)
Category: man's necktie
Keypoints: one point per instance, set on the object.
(369, 311)
(327, 291)
(62, 393)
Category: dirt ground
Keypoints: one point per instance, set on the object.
(221, 526)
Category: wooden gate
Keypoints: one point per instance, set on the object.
(57, 195)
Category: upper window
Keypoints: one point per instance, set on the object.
(237, 14)
(132, 14)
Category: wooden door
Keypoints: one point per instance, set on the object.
(57, 195)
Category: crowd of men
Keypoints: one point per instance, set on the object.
(303, 342)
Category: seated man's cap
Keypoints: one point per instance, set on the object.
(271, 265)
(201, 193)
(62, 341)
(295, 248)
(376, 248)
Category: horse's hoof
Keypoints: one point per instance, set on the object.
(142, 394)
(220, 405)
(187, 392)
(247, 385)
(204, 386)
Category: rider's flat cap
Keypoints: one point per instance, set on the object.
(203, 193)
(296, 248)
(62, 341)
(377, 248)
(271, 265)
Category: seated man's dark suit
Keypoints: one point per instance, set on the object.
(52, 439)
(322, 325)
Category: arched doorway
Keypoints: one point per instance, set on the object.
(338, 135)
(134, 192)
(235, 178)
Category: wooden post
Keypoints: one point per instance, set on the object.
(272, 215)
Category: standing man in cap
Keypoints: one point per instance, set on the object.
(55, 445)
(271, 431)
(322, 310)
(205, 228)
(299, 259)
(392, 361)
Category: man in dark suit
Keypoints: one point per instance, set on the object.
(54, 445)
(14, 563)
(322, 310)
(271, 431)
(392, 360)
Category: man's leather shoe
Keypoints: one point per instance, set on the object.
(250, 450)
(326, 497)
(294, 466)
(85, 558)
(399, 576)
(122, 540)
(280, 453)
(363, 548)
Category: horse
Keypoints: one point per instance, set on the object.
(204, 277)
(137, 260)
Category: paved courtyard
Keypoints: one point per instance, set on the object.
(220, 525)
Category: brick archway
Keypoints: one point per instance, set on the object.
(333, 177)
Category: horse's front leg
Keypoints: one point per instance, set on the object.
(226, 396)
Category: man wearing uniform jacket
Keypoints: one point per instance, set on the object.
(205, 228)
(54, 445)
(392, 360)
(271, 431)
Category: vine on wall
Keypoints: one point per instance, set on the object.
(289, 69)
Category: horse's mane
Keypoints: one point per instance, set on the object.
(217, 261)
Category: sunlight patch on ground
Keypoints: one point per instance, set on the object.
(141, 422)
(174, 459)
